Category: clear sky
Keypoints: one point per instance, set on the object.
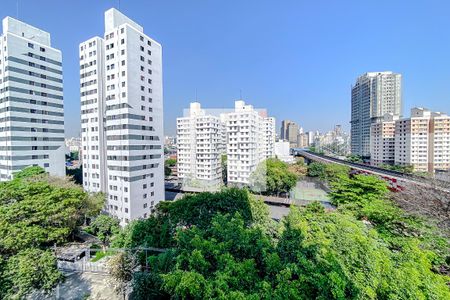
(298, 58)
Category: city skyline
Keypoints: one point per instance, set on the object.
(306, 65)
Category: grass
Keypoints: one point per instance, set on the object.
(100, 254)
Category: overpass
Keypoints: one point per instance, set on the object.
(395, 178)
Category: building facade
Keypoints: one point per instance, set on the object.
(200, 146)
(423, 141)
(373, 95)
(269, 137)
(31, 101)
(382, 141)
(122, 123)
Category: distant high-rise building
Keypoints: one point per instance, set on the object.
(200, 146)
(373, 95)
(31, 101)
(269, 136)
(283, 131)
(382, 141)
(245, 134)
(246, 142)
(423, 141)
(121, 117)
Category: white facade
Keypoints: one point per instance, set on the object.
(31, 101)
(122, 123)
(246, 135)
(382, 141)
(423, 141)
(245, 142)
(200, 145)
(282, 151)
(373, 95)
(269, 137)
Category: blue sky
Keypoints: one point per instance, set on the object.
(298, 58)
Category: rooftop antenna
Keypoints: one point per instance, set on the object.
(196, 96)
(240, 94)
(17, 9)
(118, 6)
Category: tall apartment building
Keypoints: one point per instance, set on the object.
(289, 132)
(382, 141)
(121, 120)
(200, 145)
(246, 148)
(423, 141)
(31, 101)
(269, 137)
(373, 95)
(283, 129)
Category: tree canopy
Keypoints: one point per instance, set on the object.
(223, 245)
(272, 177)
(36, 212)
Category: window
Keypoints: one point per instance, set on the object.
(30, 45)
(142, 48)
(42, 49)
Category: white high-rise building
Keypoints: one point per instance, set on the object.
(245, 142)
(31, 101)
(373, 95)
(269, 137)
(382, 141)
(423, 141)
(246, 135)
(200, 146)
(122, 123)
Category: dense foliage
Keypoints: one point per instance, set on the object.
(272, 177)
(327, 172)
(104, 227)
(168, 164)
(404, 169)
(299, 168)
(36, 212)
(224, 246)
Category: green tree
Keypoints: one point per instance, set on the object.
(222, 247)
(273, 177)
(104, 227)
(316, 169)
(30, 269)
(359, 190)
(37, 211)
(168, 164)
(327, 172)
(354, 158)
(224, 165)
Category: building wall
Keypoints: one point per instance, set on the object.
(31, 101)
(373, 95)
(129, 107)
(382, 141)
(423, 141)
(200, 146)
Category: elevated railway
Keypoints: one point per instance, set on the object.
(396, 179)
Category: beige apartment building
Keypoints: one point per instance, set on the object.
(423, 140)
(382, 141)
